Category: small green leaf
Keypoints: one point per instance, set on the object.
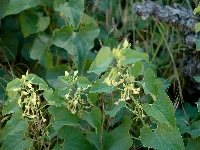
(33, 22)
(83, 82)
(38, 81)
(14, 85)
(72, 9)
(17, 6)
(3, 7)
(92, 97)
(162, 138)
(197, 28)
(116, 107)
(77, 44)
(194, 129)
(11, 106)
(99, 86)
(119, 138)
(129, 56)
(94, 118)
(73, 139)
(198, 44)
(196, 10)
(162, 109)
(17, 141)
(197, 78)
(136, 68)
(150, 84)
(15, 124)
(62, 116)
(193, 144)
(102, 61)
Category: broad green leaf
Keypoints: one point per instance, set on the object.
(193, 144)
(54, 98)
(33, 22)
(92, 97)
(129, 56)
(83, 82)
(198, 44)
(196, 10)
(197, 78)
(53, 73)
(17, 141)
(77, 44)
(39, 50)
(38, 81)
(11, 106)
(94, 118)
(17, 6)
(62, 116)
(9, 43)
(102, 61)
(116, 107)
(94, 138)
(99, 86)
(136, 68)
(119, 138)
(72, 9)
(162, 109)
(14, 85)
(150, 84)
(162, 138)
(197, 28)
(15, 124)
(194, 129)
(73, 139)
(3, 7)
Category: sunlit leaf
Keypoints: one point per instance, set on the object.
(162, 138)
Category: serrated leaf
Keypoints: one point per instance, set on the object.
(39, 50)
(99, 86)
(194, 129)
(77, 44)
(17, 6)
(150, 84)
(94, 118)
(193, 144)
(136, 68)
(198, 44)
(11, 106)
(119, 138)
(162, 138)
(197, 78)
(15, 124)
(162, 109)
(17, 141)
(83, 82)
(116, 107)
(102, 61)
(72, 9)
(73, 139)
(197, 28)
(3, 7)
(129, 56)
(14, 85)
(62, 116)
(33, 22)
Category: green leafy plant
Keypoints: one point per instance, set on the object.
(96, 114)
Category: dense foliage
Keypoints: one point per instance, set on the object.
(67, 82)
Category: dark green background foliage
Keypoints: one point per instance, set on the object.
(49, 37)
